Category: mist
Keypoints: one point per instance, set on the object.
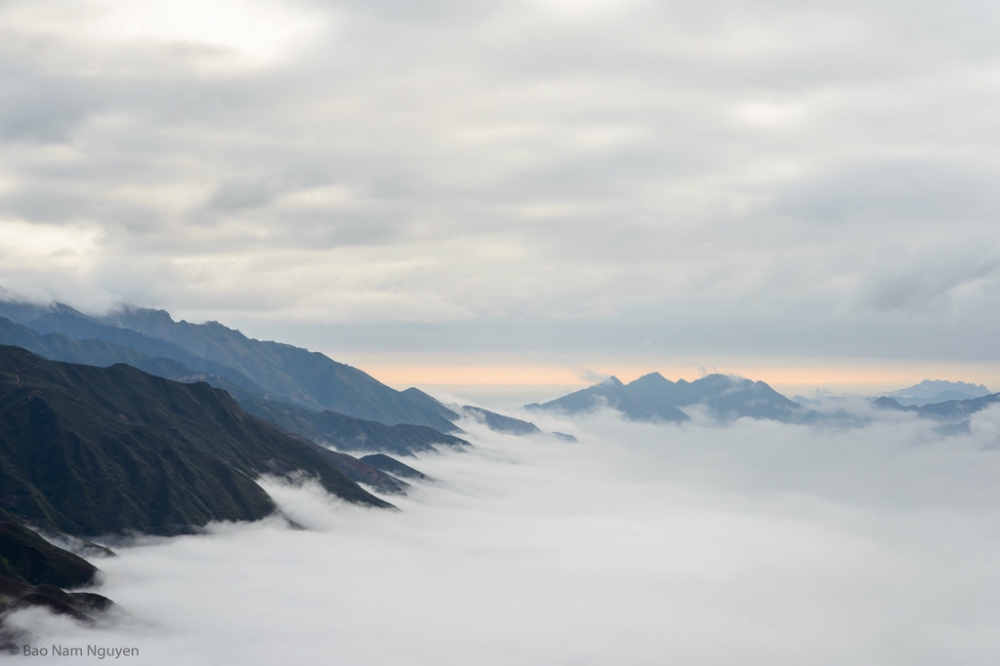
(753, 542)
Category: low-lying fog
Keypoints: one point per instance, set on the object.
(748, 543)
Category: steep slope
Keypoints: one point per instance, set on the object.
(291, 373)
(33, 573)
(87, 450)
(655, 398)
(425, 401)
(27, 557)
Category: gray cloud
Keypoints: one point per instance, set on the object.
(930, 284)
(766, 165)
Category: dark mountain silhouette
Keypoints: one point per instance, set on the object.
(88, 451)
(27, 557)
(652, 397)
(33, 573)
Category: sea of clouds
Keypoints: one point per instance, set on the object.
(752, 542)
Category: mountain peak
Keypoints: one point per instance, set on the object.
(652, 397)
(931, 391)
(151, 321)
(930, 387)
(653, 375)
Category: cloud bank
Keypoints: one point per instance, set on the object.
(756, 542)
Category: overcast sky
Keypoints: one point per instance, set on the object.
(553, 182)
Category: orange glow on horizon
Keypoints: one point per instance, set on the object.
(805, 375)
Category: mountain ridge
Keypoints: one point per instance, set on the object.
(272, 369)
(933, 391)
(88, 451)
(652, 397)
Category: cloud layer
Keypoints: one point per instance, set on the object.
(753, 543)
(737, 176)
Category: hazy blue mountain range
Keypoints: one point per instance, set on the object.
(948, 402)
(950, 409)
(652, 397)
(326, 428)
(936, 391)
(323, 427)
(93, 351)
(347, 433)
(271, 369)
(225, 358)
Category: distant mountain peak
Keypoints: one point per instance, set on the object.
(651, 378)
(931, 391)
(932, 386)
(652, 397)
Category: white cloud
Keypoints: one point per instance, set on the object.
(256, 32)
(759, 542)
